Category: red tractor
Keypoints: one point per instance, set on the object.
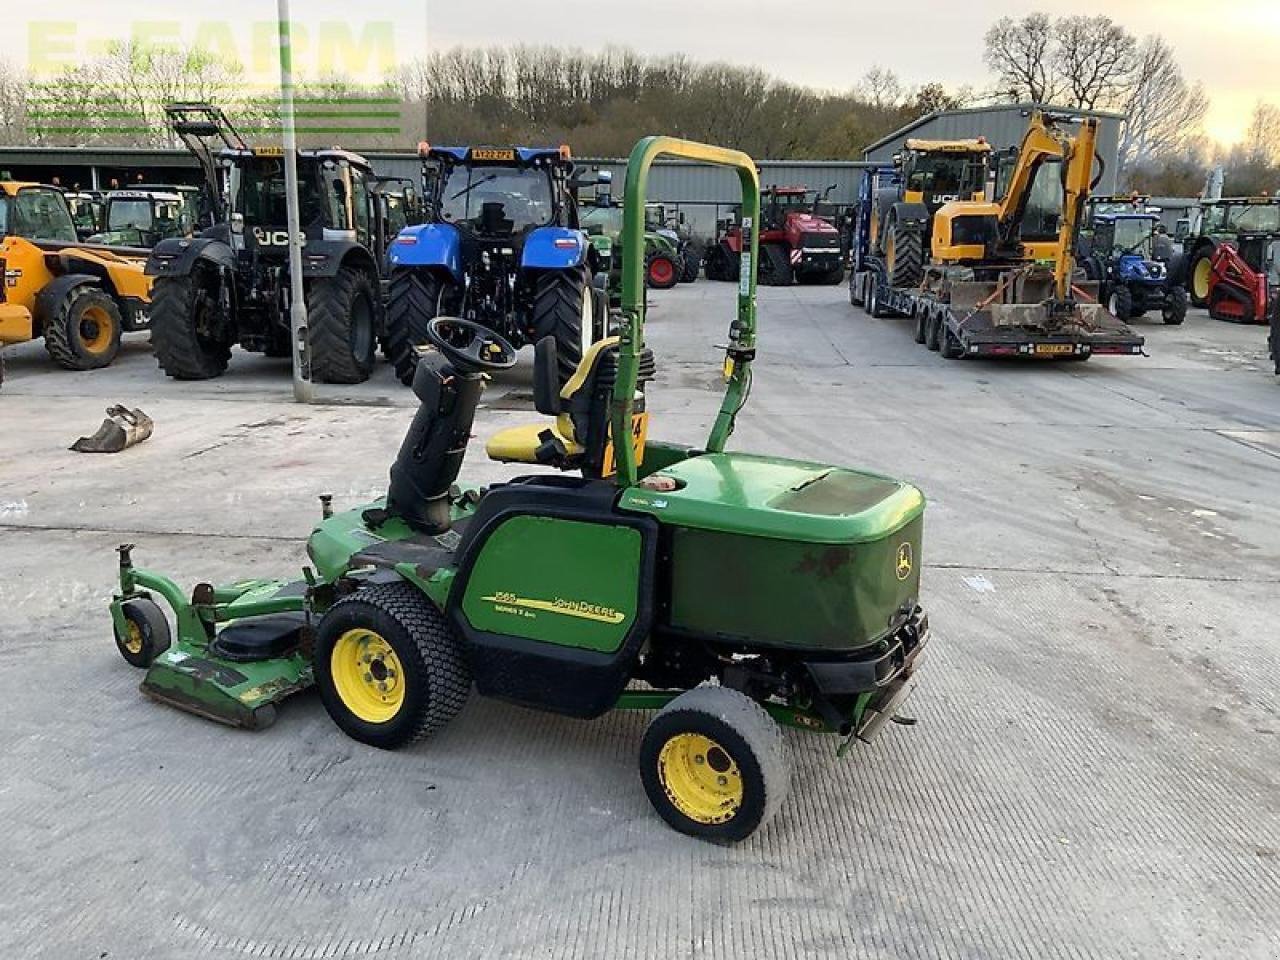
(1244, 279)
(797, 245)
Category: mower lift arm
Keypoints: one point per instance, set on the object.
(742, 334)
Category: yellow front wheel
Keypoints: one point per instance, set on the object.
(714, 764)
(83, 332)
(387, 666)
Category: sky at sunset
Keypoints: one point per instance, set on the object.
(821, 43)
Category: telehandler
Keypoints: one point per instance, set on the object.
(730, 592)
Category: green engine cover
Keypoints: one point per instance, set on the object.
(566, 582)
(787, 553)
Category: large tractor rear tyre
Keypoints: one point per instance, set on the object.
(84, 331)
(1199, 270)
(691, 261)
(342, 318)
(184, 326)
(416, 297)
(904, 256)
(661, 272)
(564, 308)
(1175, 307)
(388, 667)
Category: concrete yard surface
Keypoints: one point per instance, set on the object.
(1095, 770)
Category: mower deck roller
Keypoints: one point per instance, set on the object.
(731, 592)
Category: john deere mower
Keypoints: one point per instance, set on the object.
(730, 592)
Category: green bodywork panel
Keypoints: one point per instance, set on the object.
(580, 591)
(758, 496)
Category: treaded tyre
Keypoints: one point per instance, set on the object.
(872, 297)
(1175, 307)
(184, 328)
(904, 256)
(342, 317)
(922, 323)
(1199, 270)
(691, 262)
(415, 298)
(564, 308)
(948, 343)
(388, 667)
(714, 764)
(147, 634)
(661, 272)
(933, 331)
(1120, 304)
(84, 331)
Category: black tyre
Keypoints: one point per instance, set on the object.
(146, 632)
(416, 297)
(833, 277)
(690, 263)
(904, 256)
(1120, 304)
(84, 331)
(564, 308)
(855, 289)
(933, 331)
(873, 297)
(661, 272)
(388, 667)
(188, 333)
(342, 317)
(1199, 270)
(949, 344)
(1175, 306)
(714, 764)
(922, 316)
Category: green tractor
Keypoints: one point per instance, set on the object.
(732, 593)
(602, 218)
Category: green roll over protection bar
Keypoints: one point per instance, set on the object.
(742, 333)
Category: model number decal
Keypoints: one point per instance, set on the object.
(505, 602)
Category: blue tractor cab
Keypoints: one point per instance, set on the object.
(1121, 258)
(500, 246)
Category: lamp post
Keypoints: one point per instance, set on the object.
(303, 391)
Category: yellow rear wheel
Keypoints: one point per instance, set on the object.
(714, 764)
(367, 675)
(1200, 279)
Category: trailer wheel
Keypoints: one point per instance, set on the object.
(873, 297)
(714, 764)
(933, 331)
(855, 289)
(388, 667)
(84, 331)
(342, 317)
(1175, 306)
(188, 333)
(415, 298)
(922, 317)
(146, 633)
(951, 348)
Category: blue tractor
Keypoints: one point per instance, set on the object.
(500, 246)
(1132, 280)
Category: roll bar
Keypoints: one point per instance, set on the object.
(741, 348)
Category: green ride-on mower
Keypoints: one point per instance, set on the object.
(730, 592)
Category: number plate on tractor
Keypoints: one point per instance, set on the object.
(639, 430)
(1054, 348)
(493, 154)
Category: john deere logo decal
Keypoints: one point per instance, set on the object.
(903, 566)
(505, 602)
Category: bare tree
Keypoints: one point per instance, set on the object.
(1095, 57)
(1164, 114)
(882, 88)
(13, 104)
(1020, 54)
(1262, 141)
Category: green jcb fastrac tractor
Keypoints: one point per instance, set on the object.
(731, 593)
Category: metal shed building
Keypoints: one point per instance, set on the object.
(1003, 125)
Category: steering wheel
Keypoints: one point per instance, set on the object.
(469, 346)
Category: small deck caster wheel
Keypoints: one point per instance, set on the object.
(146, 633)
